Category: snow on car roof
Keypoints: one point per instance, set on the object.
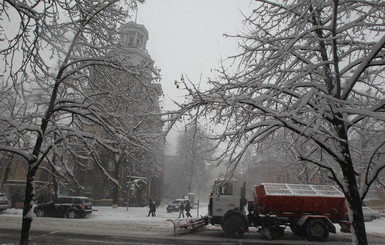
(301, 189)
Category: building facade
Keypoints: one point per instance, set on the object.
(138, 171)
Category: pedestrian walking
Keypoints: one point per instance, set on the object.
(188, 208)
(181, 209)
(152, 208)
(15, 200)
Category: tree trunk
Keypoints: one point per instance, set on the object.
(55, 188)
(54, 179)
(28, 205)
(5, 175)
(7, 169)
(351, 191)
(115, 195)
(115, 198)
(354, 201)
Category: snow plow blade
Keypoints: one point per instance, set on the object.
(188, 225)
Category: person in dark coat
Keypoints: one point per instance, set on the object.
(243, 203)
(181, 209)
(15, 199)
(152, 209)
(188, 208)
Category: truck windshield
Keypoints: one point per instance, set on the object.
(226, 189)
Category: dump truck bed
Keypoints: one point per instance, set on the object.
(296, 200)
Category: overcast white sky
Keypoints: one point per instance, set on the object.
(186, 37)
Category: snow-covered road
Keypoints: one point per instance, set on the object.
(136, 219)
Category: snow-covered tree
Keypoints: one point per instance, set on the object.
(284, 146)
(194, 151)
(50, 52)
(315, 68)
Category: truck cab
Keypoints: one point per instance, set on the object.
(225, 196)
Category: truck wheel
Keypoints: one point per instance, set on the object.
(234, 225)
(317, 230)
(297, 229)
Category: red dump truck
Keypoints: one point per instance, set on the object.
(309, 210)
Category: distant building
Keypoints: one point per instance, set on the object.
(138, 175)
(13, 172)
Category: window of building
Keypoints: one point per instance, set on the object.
(111, 166)
(131, 42)
(90, 165)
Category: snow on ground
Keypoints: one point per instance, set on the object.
(376, 226)
(124, 213)
(139, 215)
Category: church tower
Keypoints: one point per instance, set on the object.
(133, 38)
(134, 96)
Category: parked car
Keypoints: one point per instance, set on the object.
(370, 214)
(68, 207)
(3, 202)
(174, 206)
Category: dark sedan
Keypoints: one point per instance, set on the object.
(69, 207)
